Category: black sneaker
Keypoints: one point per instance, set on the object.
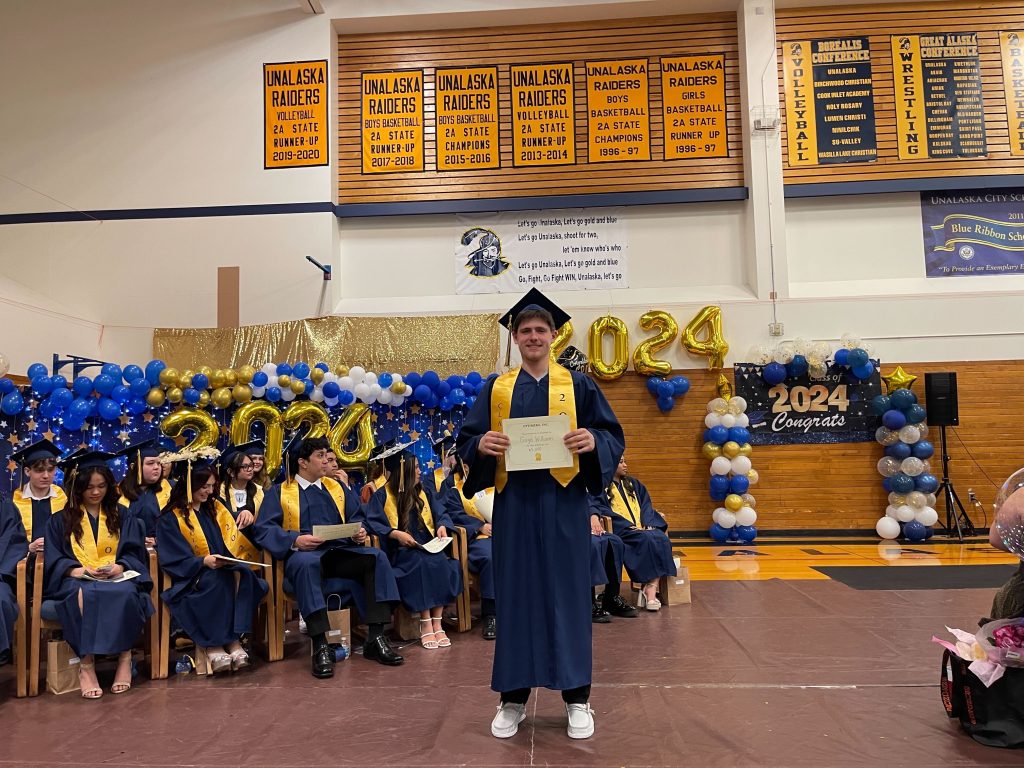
(600, 615)
(619, 607)
(490, 627)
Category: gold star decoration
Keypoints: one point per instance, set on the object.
(451, 425)
(404, 428)
(414, 408)
(414, 435)
(180, 441)
(48, 435)
(125, 419)
(31, 424)
(391, 416)
(147, 417)
(898, 379)
(83, 444)
(12, 465)
(224, 429)
(13, 439)
(123, 436)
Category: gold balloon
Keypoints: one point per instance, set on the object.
(206, 370)
(711, 450)
(713, 346)
(733, 502)
(723, 387)
(746, 449)
(398, 387)
(753, 477)
(341, 370)
(298, 386)
(313, 414)
(200, 422)
(217, 379)
(174, 394)
(731, 449)
(317, 375)
(221, 397)
(620, 347)
(230, 378)
(241, 393)
(262, 411)
(355, 419)
(169, 377)
(562, 338)
(245, 374)
(644, 361)
(155, 397)
(284, 382)
(204, 399)
(185, 380)
(898, 379)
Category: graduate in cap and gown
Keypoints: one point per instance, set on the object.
(39, 497)
(314, 568)
(93, 541)
(13, 548)
(541, 537)
(239, 492)
(143, 488)
(375, 477)
(648, 549)
(405, 514)
(214, 600)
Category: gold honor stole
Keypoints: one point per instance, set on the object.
(391, 510)
(95, 554)
(469, 505)
(24, 505)
(163, 495)
(237, 544)
(625, 506)
(257, 501)
(561, 400)
(290, 501)
(438, 478)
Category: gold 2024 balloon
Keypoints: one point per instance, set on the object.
(713, 346)
(200, 422)
(262, 411)
(309, 413)
(356, 417)
(644, 361)
(620, 347)
(562, 338)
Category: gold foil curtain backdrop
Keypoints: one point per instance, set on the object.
(448, 344)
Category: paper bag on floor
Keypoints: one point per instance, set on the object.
(679, 586)
(61, 668)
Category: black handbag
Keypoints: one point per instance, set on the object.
(991, 716)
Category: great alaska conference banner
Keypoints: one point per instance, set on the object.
(973, 232)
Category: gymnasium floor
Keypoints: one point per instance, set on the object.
(772, 664)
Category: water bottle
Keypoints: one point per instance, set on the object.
(341, 651)
(184, 665)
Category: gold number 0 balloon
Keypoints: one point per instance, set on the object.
(261, 410)
(713, 346)
(562, 338)
(202, 423)
(356, 417)
(309, 413)
(644, 361)
(620, 347)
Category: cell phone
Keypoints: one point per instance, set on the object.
(105, 568)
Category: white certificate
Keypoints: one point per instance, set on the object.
(537, 443)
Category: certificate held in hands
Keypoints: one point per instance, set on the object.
(537, 443)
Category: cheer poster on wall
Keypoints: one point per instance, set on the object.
(973, 232)
(572, 249)
(295, 114)
(806, 410)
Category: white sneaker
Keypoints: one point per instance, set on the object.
(581, 721)
(302, 625)
(505, 724)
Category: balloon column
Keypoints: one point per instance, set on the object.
(727, 444)
(667, 390)
(905, 467)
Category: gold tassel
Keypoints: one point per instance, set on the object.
(188, 482)
(138, 465)
(508, 351)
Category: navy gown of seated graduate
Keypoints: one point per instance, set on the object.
(606, 553)
(463, 512)
(648, 553)
(213, 605)
(541, 529)
(425, 580)
(113, 614)
(146, 509)
(13, 547)
(289, 510)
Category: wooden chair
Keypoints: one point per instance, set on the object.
(463, 617)
(21, 629)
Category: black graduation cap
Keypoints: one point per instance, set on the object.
(85, 459)
(394, 459)
(291, 455)
(135, 453)
(534, 299)
(252, 448)
(439, 442)
(37, 451)
(185, 464)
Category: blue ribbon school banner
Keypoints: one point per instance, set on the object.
(978, 232)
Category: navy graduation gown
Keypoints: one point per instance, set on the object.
(206, 601)
(478, 550)
(541, 541)
(146, 509)
(602, 548)
(425, 580)
(648, 554)
(13, 548)
(113, 615)
(302, 569)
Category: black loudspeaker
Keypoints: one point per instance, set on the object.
(940, 396)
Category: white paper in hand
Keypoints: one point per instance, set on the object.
(484, 502)
(437, 544)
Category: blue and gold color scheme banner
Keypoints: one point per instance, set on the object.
(830, 103)
(979, 232)
(1011, 47)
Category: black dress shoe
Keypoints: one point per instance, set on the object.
(323, 662)
(600, 615)
(380, 650)
(620, 607)
(5, 657)
(490, 627)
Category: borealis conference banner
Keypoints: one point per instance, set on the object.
(973, 232)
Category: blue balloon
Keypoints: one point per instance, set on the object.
(455, 381)
(652, 384)
(331, 389)
(928, 532)
(443, 388)
(431, 379)
(471, 389)
(301, 370)
(421, 393)
(432, 402)
(121, 394)
(93, 403)
(739, 435)
(309, 387)
(108, 409)
(880, 404)
(346, 398)
(323, 367)
(902, 483)
(798, 366)
(59, 382)
(132, 373)
(863, 371)
(136, 405)
(385, 380)
(82, 386)
(113, 371)
(474, 378)
(680, 385)
(458, 396)
(915, 531)
(718, 533)
(842, 356)
(73, 424)
(718, 435)
(42, 385)
(857, 357)
(48, 409)
(153, 369)
(894, 419)
(283, 369)
(922, 449)
(887, 484)
(719, 484)
(718, 495)
(200, 381)
(12, 403)
(445, 404)
(666, 404)
(665, 390)
(139, 387)
(260, 379)
(470, 401)
(191, 395)
(774, 373)
(412, 379)
(79, 408)
(898, 451)
(916, 414)
(739, 484)
(104, 383)
(273, 394)
(62, 397)
(902, 399)
(6, 385)
(926, 483)
(36, 370)
(746, 533)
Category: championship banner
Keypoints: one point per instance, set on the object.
(543, 114)
(835, 409)
(510, 252)
(467, 118)
(939, 108)
(693, 106)
(392, 121)
(618, 114)
(295, 114)
(1011, 45)
(830, 105)
(973, 232)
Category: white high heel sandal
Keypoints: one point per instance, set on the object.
(651, 604)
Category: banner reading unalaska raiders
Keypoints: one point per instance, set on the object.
(973, 232)
(836, 409)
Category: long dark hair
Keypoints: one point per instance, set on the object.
(232, 472)
(179, 495)
(408, 500)
(74, 511)
(130, 486)
(260, 478)
(627, 483)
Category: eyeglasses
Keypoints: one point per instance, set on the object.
(245, 466)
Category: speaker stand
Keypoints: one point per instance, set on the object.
(956, 515)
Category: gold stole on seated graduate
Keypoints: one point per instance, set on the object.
(237, 544)
(469, 505)
(290, 501)
(257, 501)
(163, 495)
(561, 400)
(625, 505)
(391, 510)
(24, 505)
(92, 553)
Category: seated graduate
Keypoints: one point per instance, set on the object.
(375, 478)
(334, 470)
(239, 492)
(448, 480)
(606, 550)
(92, 542)
(314, 567)
(39, 497)
(13, 547)
(648, 554)
(143, 488)
(259, 468)
(214, 600)
(406, 515)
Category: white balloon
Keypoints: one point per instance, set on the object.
(930, 499)
(743, 420)
(287, 395)
(718, 511)
(270, 369)
(374, 390)
(397, 401)
(927, 516)
(259, 391)
(746, 516)
(356, 373)
(910, 434)
(396, 378)
(890, 511)
(720, 466)
(384, 397)
(905, 513)
(330, 402)
(712, 420)
(346, 383)
(737, 405)
(272, 382)
(370, 378)
(740, 465)
(317, 395)
(726, 519)
(917, 500)
(408, 391)
(330, 376)
(728, 420)
(362, 391)
(887, 528)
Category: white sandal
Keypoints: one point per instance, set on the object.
(650, 603)
(430, 645)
